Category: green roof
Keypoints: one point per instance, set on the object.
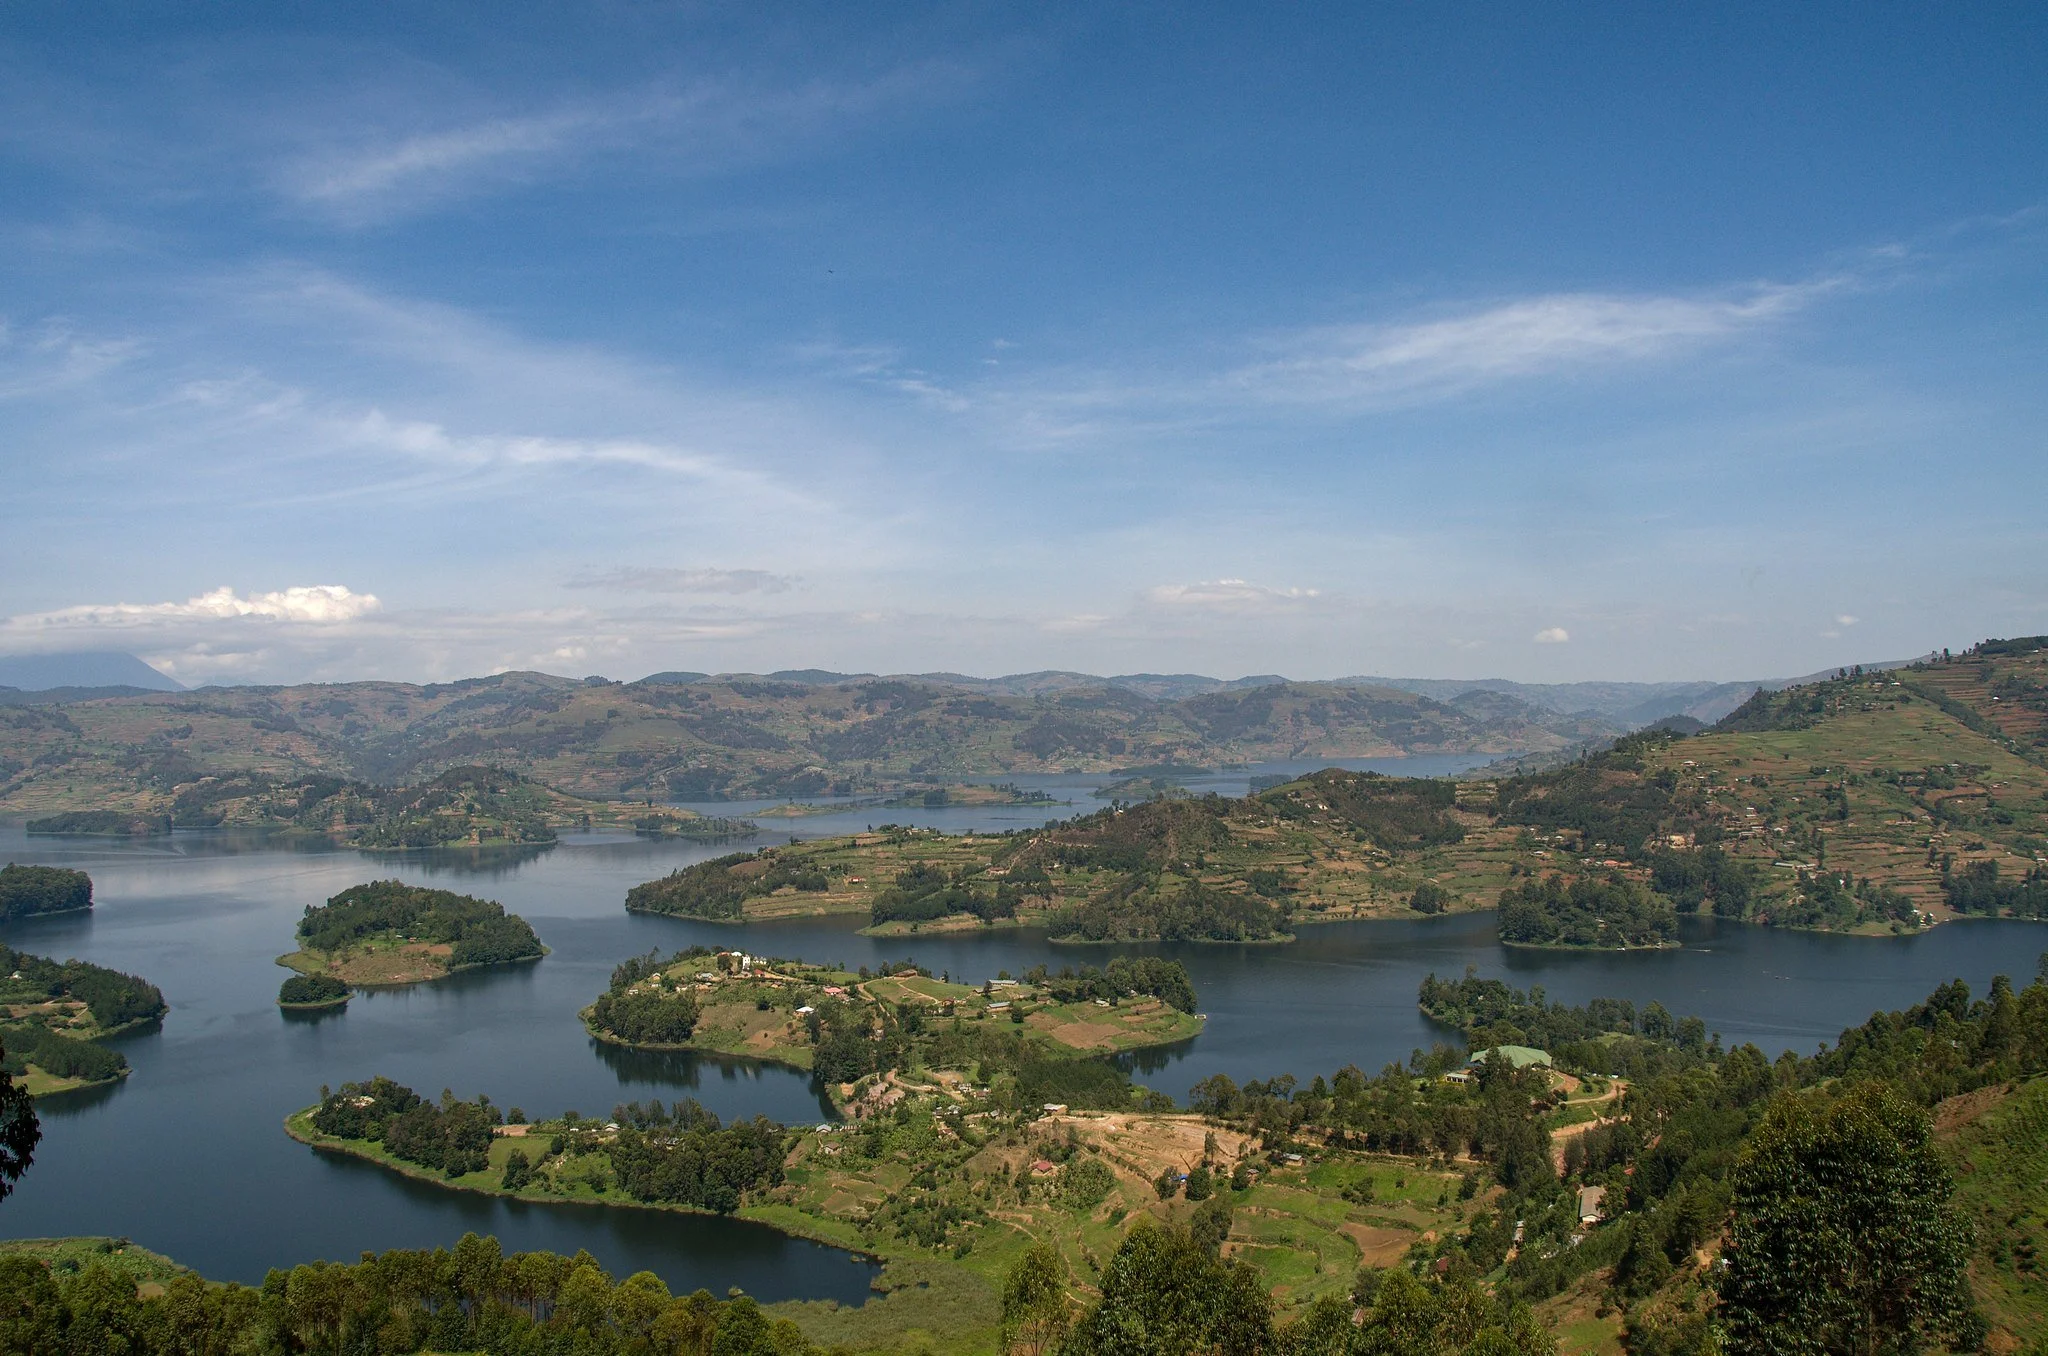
(1521, 1056)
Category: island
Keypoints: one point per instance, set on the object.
(29, 890)
(387, 933)
(863, 1032)
(54, 1014)
(312, 993)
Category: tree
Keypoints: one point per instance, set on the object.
(1035, 1316)
(1165, 1294)
(20, 1131)
(1843, 1238)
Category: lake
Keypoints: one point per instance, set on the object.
(188, 1156)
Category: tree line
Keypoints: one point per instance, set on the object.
(473, 1297)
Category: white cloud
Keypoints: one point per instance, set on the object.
(700, 125)
(1227, 595)
(307, 604)
(1846, 620)
(381, 170)
(649, 579)
(1530, 336)
(1552, 635)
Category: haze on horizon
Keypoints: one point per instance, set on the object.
(1546, 344)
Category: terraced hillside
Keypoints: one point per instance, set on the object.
(1870, 802)
(698, 738)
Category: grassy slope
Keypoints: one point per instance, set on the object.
(1997, 1143)
(1889, 826)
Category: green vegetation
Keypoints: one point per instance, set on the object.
(66, 1258)
(101, 824)
(388, 932)
(1843, 1237)
(53, 1012)
(863, 1034)
(718, 889)
(472, 1298)
(26, 890)
(1615, 913)
(652, 1155)
(312, 991)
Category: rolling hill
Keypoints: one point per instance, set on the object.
(697, 738)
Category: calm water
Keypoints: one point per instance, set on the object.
(187, 1156)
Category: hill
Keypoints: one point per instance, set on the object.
(1868, 802)
(714, 738)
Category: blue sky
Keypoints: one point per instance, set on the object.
(1547, 342)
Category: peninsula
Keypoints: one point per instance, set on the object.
(861, 1033)
(53, 1014)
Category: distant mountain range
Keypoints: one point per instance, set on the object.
(82, 669)
(1630, 705)
(698, 737)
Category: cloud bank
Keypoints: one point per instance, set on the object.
(308, 604)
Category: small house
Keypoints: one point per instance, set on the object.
(1590, 1200)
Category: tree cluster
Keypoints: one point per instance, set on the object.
(1613, 912)
(305, 990)
(114, 999)
(479, 931)
(26, 890)
(720, 888)
(1123, 977)
(452, 1137)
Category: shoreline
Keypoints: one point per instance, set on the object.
(298, 1125)
(286, 962)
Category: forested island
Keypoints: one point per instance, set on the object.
(27, 890)
(312, 993)
(387, 932)
(54, 1013)
(1026, 1040)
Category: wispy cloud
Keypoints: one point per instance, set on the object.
(54, 354)
(1552, 635)
(649, 579)
(1521, 338)
(700, 125)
